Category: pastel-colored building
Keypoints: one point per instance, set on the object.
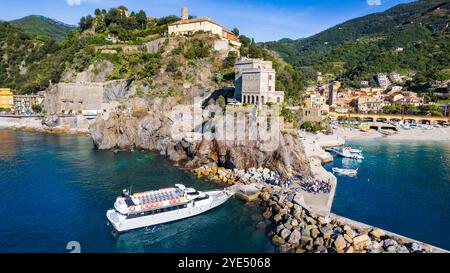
(255, 82)
(365, 104)
(205, 24)
(396, 97)
(383, 80)
(416, 101)
(6, 98)
(314, 101)
(24, 104)
(364, 82)
(395, 77)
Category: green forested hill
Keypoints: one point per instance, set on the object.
(30, 61)
(26, 65)
(40, 25)
(359, 48)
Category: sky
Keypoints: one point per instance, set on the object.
(264, 20)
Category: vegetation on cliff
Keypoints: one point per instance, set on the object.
(117, 37)
(25, 65)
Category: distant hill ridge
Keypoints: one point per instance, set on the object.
(359, 47)
(43, 26)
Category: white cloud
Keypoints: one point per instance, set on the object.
(374, 2)
(73, 2)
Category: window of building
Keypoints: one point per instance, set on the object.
(270, 77)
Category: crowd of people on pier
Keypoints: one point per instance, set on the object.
(312, 186)
(281, 181)
(316, 186)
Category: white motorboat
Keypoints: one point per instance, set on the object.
(354, 151)
(161, 206)
(349, 152)
(345, 171)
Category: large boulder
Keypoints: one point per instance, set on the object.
(361, 242)
(294, 237)
(285, 233)
(340, 243)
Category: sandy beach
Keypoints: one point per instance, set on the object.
(435, 134)
(34, 124)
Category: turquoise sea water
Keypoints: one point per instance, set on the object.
(403, 187)
(55, 189)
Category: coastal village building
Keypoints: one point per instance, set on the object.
(87, 98)
(24, 104)
(319, 78)
(205, 24)
(365, 104)
(396, 88)
(332, 92)
(383, 80)
(6, 98)
(312, 115)
(364, 82)
(416, 101)
(255, 82)
(445, 109)
(395, 77)
(394, 97)
(314, 100)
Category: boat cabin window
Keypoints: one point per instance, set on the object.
(156, 211)
(193, 193)
(202, 197)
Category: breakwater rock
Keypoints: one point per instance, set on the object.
(294, 229)
(238, 176)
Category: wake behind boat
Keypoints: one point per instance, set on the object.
(162, 206)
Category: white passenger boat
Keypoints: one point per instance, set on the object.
(345, 171)
(161, 206)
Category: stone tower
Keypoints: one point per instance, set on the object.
(184, 13)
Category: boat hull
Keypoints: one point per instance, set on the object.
(121, 223)
(345, 171)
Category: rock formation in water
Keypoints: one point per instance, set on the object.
(152, 129)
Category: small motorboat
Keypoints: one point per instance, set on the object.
(345, 171)
(349, 152)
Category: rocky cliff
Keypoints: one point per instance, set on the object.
(151, 128)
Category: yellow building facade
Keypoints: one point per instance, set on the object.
(6, 98)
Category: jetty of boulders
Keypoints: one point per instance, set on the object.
(294, 229)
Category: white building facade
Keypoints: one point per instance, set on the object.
(255, 82)
(205, 24)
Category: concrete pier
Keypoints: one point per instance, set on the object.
(313, 145)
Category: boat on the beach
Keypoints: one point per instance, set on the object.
(161, 206)
(387, 132)
(345, 171)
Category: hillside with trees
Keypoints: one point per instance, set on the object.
(43, 26)
(409, 38)
(99, 46)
